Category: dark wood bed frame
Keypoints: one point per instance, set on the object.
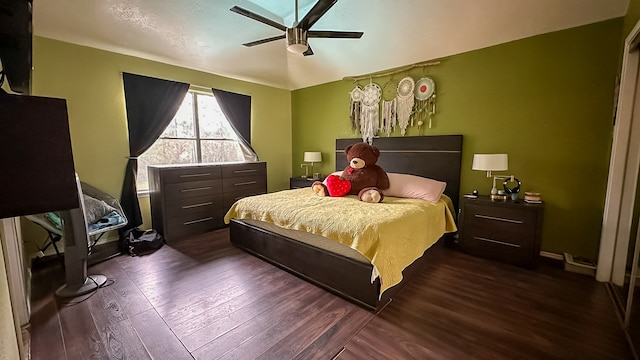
(436, 157)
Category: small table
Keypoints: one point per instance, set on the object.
(507, 231)
(300, 182)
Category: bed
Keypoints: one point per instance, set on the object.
(321, 257)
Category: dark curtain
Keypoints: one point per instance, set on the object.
(151, 104)
(237, 109)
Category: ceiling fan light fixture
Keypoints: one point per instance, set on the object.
(297, 40)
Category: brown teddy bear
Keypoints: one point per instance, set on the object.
(362, 177)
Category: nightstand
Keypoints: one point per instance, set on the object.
(300, 182)
(507, 231)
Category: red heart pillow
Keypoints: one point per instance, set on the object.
(337, 186)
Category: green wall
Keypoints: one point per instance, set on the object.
(91, 81)
(547, 101)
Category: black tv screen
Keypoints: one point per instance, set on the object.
(38, 174)
(15, 43)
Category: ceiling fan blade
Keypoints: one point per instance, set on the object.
(308, 52)
(335, 34)
(254, 16)
(316, 12)
(258, 42)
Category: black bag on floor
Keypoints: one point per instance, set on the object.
(139, 242)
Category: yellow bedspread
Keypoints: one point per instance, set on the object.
(391, 234)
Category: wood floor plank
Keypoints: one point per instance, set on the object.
(122, 342)
(77, 324)
(244, 314)
(257, 345)
(158, 338)
(330, 342)
(130, 298)
(215, 307)
(46, 330)
(302, 334)
(237, 336)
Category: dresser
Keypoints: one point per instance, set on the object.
(507, 231)
(191, 199)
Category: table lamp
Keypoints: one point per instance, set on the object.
(312, 157)
(489, 163)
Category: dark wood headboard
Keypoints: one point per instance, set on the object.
(437, 157)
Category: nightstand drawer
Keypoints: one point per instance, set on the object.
(300, 182)
(487, 235)
(500, 219)
(510, 248)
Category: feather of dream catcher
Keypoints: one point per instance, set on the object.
(370, 112)
(404, 103)
(355, 106)
(425, 94)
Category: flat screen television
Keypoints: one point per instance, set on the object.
(15, 43)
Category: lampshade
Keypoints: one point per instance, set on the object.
(312, 156)
(490, 162)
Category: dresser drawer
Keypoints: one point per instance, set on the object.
(244, 183)
(245, 169)
(192, 189)
(208, 204)
(189, 174)
(183, 226)
(500, 219)
(232, 197)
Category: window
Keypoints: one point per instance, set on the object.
(199, 133)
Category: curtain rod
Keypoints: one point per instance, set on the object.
(391, 72)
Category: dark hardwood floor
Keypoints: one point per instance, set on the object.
(204, 299)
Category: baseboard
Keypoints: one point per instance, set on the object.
(552, 258)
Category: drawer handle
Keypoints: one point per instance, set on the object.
(499, 219)
(196, 189)
(194, 175)
(197, 221)
(197, 205)
(245, 183)
(496, 241)
(244, 171)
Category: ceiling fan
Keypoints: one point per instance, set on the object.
(297, 35)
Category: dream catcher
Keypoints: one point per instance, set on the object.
(404, 102)
(425, 94)
(355, 106)
(370, 112)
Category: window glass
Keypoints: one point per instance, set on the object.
(198, 133)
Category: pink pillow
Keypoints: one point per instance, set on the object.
(416, 187)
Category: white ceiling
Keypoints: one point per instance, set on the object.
(205, 35)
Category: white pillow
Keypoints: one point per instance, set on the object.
(415, 187)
